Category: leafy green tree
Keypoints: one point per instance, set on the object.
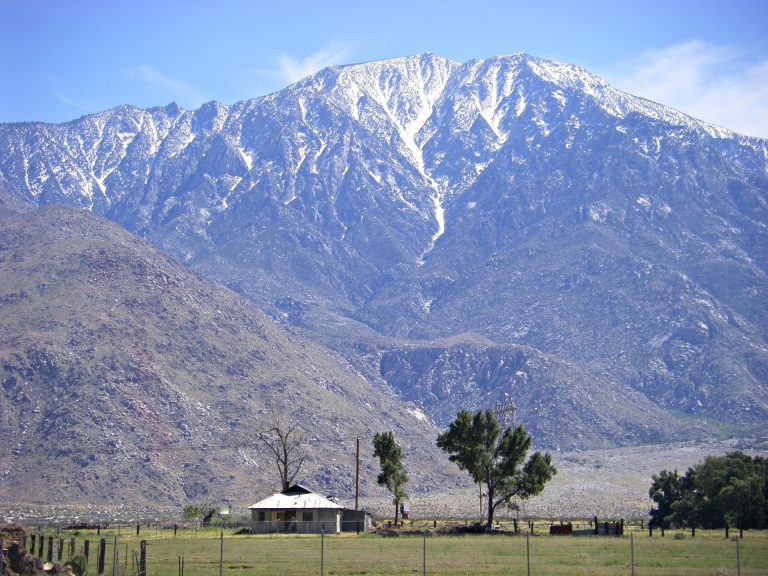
(200, 513)
(192, 512)
(496, 459)
(665, 491)
(393, 474)
(734, 488)
(690, 509)
(730, 489)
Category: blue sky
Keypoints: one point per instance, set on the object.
(60, 59)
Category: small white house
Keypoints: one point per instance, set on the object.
(296, 509)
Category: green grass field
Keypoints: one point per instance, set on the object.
(709, 553)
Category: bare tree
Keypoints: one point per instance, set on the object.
(284, 440)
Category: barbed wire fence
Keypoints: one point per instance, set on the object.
(418, 549)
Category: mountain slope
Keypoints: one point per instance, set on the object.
(377, 205)
(126, 378)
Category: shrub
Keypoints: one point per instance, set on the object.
(79, 564)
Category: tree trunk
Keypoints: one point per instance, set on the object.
(397, 509)
(489, 525)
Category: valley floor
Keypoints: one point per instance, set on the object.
(608, 483)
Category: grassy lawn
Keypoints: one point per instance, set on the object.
(707, 554)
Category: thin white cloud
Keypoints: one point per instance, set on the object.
(73, 103)
(60, 92)
(292, 70)
(184, 92)
(712, 83)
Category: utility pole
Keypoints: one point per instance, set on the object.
(357, 473)
(503, 410)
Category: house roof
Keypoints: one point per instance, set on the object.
(295, 498)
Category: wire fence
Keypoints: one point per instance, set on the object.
(416, 550)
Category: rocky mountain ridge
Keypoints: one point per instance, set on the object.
(380, 207)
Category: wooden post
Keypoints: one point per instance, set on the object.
(102, 551)
(32, 541)
(221, 555)
(357, 473)
(72, 546)
(60, 551)
(693, 531)
(424, 555)
(726, 531)
(114, 557)
(86, 548)
(143, 559)
(50, 548)
(41, 546)
(528, 552)
(597, 530)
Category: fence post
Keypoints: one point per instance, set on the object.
(32, 542)
(60, 551)
(102, 553)
(72, 546)
(86, 549)
(528, 552)
(114, 557)
(50, 548)
(221, 554)
(143, 559)
(41, 546)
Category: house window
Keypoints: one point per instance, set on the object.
(262, 516)
(307, 517)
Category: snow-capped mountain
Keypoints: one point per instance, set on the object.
(522, 200)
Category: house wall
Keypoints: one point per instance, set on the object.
(293, 521)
